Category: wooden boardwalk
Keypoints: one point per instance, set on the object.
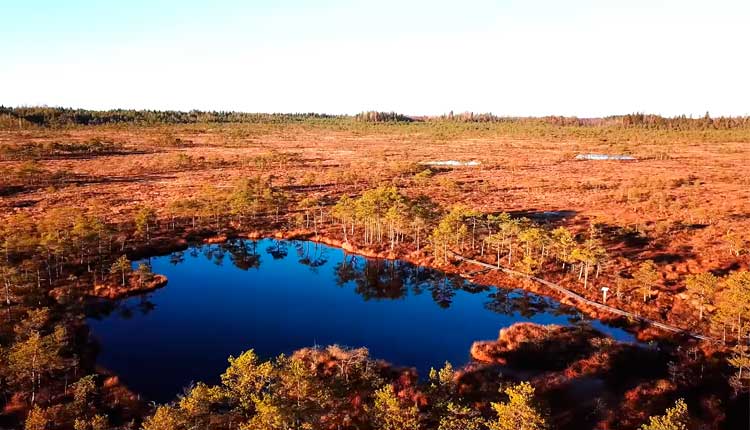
(566, 292)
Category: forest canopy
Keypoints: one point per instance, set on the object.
(64, 117)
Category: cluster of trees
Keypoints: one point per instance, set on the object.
(41, 364)
(41, 150)
(39, 251)
(674, 418)
(519, 242)
(81, 412)
(40, 345)
(384, 214)
(68, 245)
(58, 116)
(682, 122)
(642, 281)
(634, 120)
(730, 296)
(247, 199)
(36, 355)
(71, 243)
(374, 116)
(725, 299)
(335, 388)
(450, 232)
(474, 117)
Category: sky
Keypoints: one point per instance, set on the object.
(581, 58)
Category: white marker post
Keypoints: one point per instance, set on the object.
(604, 294)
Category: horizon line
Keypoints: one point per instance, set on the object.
(409, 115)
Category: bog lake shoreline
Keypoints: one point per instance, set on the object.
(279, 295)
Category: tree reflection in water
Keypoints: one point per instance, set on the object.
(243, 253)
(177, 258)
(443, 292)
(125, 309)
(311, 254)
(393, 279)
(373, 279)
(278, 249)
(515, 301)
(214, 253)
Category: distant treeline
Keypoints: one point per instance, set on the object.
(374, 116)
(633, 120)
(60, 117)
(55, 116)
(641, 120)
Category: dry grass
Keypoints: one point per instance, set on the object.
(681, 196)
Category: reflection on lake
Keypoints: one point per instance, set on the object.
(278, 296)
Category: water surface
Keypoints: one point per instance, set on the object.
(279, 296)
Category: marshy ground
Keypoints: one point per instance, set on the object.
(682, 203)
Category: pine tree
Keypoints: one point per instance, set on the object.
(145, 273)
(196, 404)
(519, 412)
(740, 360)
(461, 418)
(33, 359)
(37, 419)
(165, 418)
(84, 391)
(390, 413)
(702, 286)
(646, 277)
(145, 219)
(122, 266)
(675, 418)
(451, 231)
(246, 376)
(563, 244)
(733, 304)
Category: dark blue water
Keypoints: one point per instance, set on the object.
(279, 296)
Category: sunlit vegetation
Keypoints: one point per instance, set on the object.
(635, 127)
(247, 200)
(384, 215)
(38, 151)
(675, 418)
(72, 244)
(56, 254)
(32, 175)
(703, 287)
(337, 388)
(51, 117)
(373, 116)
(733, 306)
(519, 411)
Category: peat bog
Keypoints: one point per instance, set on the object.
(278, 296)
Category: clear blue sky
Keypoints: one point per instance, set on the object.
(510, 57)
